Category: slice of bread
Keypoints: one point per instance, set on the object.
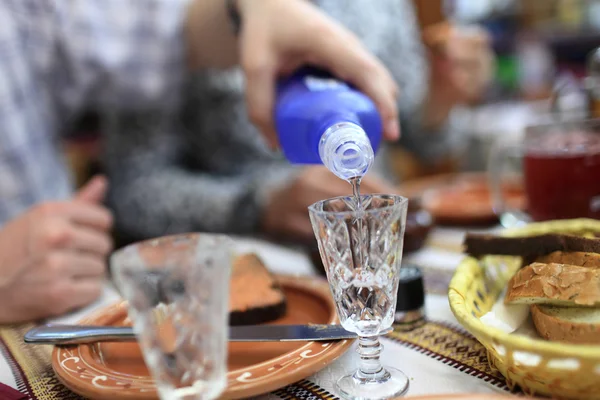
(482, 244)
(579, 258)
(567, 324)
(555, 284)
(255, 296)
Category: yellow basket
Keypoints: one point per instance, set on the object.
(565, 371)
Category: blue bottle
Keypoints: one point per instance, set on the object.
(320, 119)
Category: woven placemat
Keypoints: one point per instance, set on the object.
(32, 369)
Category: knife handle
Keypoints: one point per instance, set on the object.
(70, 334)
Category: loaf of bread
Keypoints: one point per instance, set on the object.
(555, 284)
(255, 296)
(528, 246)
(579, 258)
(567, 324)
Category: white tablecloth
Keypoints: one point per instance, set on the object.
(429, 372)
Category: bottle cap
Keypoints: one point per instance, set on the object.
(345, 150)
(411, 292)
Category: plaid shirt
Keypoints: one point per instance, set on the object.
(59, 56)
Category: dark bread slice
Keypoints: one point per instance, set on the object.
(528, 246)
(255, 297)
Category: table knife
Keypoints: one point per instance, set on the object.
(78, 334)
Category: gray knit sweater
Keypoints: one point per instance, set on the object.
(207, 168)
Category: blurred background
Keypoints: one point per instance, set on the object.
(536, 42)
(541, 53)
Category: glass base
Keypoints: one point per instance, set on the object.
(391, 382)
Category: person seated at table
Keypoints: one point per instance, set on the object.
(215, 174)
(58, 57)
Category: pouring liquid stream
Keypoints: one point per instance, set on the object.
(355, 182)
(358, 244)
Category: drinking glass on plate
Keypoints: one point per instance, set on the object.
(177, 291)
(560, 165)
(361, 248)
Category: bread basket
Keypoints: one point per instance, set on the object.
(537, 366)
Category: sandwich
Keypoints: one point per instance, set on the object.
(255, 296)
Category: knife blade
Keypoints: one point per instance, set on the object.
(80, 334)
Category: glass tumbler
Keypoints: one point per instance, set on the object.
(361, 247)
(177, 292)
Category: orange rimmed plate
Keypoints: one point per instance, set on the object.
(464, 198)
(117, 371)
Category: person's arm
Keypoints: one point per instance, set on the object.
(60, 57)
(53, 256)
(431, 82)
(277, 37)
(216, 162)
(460, 69)
(159, 183)
(212, 41)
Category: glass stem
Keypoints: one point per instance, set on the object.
(369, 350)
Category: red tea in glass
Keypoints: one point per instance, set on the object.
(562, 175)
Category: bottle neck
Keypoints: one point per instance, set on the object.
(333, 119)
(346, 150)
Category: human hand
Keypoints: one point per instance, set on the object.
(278, 37)
(52, 257)
(286, 213)
(461, 68)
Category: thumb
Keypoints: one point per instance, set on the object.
(94, 191)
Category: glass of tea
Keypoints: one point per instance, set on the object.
(560, 166)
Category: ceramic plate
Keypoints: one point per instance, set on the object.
(117, 371)
(462, 199)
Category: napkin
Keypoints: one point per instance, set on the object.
(508, 318)
(8, 393)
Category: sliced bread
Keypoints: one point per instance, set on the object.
(554, 284)
(527, 246)
(255, 296)
(567, 324)
(582, 259)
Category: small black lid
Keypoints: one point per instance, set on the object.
(411, 292)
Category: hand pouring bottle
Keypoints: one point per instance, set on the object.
(320, 119)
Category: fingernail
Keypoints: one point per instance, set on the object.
(393, 129)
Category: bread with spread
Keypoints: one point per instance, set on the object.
(254, 295)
